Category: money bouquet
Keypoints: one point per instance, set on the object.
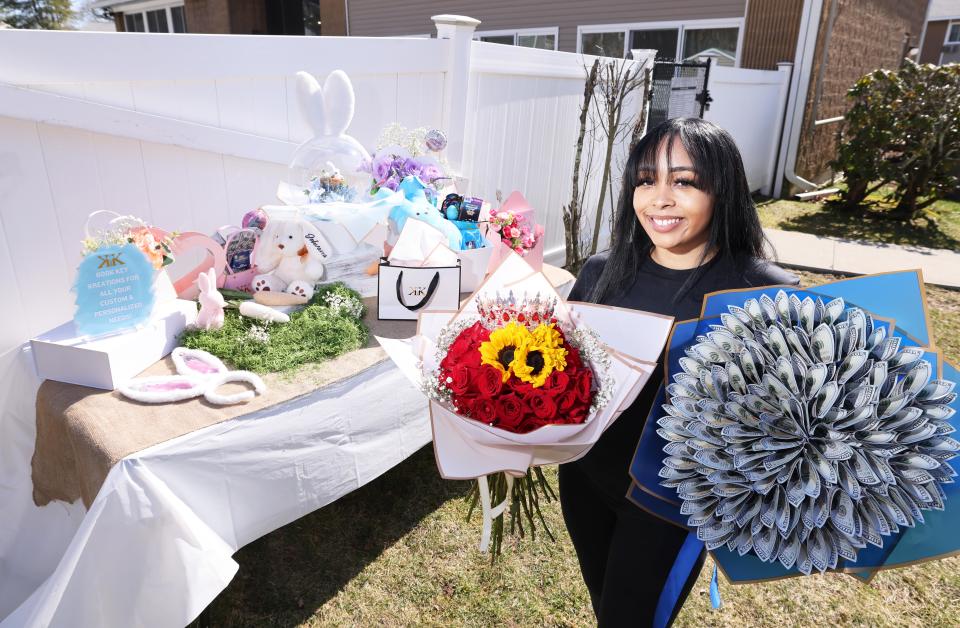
(806, 430)
(518, 379)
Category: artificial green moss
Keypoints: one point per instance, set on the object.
(318, 332)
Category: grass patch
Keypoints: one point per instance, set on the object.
(937, 228)
(398, 552)
(325, 328)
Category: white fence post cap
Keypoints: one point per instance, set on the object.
(455, 20)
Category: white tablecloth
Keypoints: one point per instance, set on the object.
(155, 547)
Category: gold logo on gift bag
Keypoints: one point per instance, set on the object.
(417, 291)
(109, 261)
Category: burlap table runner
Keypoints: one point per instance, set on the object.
(82, 432)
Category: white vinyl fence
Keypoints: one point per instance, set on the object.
(192, 131)
(750, 104)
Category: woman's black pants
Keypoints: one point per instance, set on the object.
(625, 553)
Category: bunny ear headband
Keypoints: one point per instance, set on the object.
(198, 373)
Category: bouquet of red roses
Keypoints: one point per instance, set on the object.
(515, 369)
(518, 379)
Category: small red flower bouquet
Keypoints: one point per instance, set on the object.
(518, 379)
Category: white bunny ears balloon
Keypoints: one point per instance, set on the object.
(329, 110)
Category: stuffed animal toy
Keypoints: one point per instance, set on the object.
(290, 256)
(211, 302)
(414, 204)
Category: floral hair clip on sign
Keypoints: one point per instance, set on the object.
(518, 379)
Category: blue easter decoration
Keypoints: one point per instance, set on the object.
(114, 290)
(414, 204)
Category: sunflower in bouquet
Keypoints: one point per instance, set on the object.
(517, 379)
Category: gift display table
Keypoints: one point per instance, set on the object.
(173, 491)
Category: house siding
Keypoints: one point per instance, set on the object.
(770, 33)
(867, 34)
(333, 15)
(375, 18)
(933, 41)
(208, 16)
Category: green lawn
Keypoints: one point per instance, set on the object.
(938, 228)
(397, 552)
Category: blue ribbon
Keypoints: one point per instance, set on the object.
(683, 566)
(715, 589)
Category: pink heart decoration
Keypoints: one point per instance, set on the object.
(186, 284)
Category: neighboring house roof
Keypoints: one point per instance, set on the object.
(943, 9)
(714, 52)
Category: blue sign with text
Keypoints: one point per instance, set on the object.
(114, 290)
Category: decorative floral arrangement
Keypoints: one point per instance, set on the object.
(800, 431)
(515, 231)
(416, 142)
(329, 186)
(402, 153)
(391, 165)
(132, 230)
(519, 381)
(516, 369)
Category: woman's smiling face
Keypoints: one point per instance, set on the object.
(673, 209)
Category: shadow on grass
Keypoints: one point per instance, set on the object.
(867, 223)
(287, 575)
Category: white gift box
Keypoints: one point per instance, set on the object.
(107, 362)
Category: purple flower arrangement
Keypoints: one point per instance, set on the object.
(391, 165)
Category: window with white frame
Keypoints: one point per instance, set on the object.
(543, 38)
(953, 33)
(674, 41)
(155, 17)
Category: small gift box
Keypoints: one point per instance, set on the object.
(65, 355)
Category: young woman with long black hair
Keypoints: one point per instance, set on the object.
(685, 226)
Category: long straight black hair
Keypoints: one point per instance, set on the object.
(735, 230)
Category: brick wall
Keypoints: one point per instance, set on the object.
(770, 33)
(866, 35)
(240, 17)
(207, 16)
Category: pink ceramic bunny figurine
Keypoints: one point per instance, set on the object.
(211, 302)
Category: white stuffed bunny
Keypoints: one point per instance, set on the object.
(329, 110)
(211, 302)
(291, 254)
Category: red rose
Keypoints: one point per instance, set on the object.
(466, 348)
(484, 410)
(573, 357)
(567, 401)
(557, 383)
(459, 376)
(578, 413)
(532, 422)
(510, 411)
(464, 405)
(488, 382)
(584, 383)
(524, 389)
(542, 404)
